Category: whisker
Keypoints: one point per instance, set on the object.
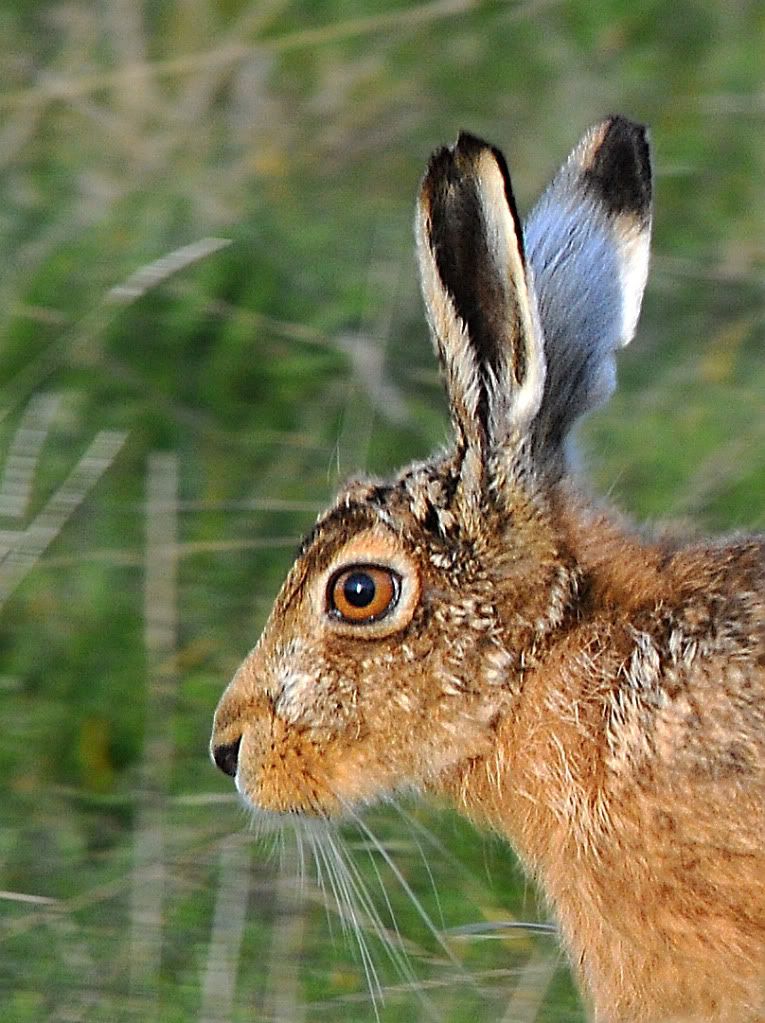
(358, 887)
(269, 838)
(370, 971)
(432, 839)
(499, 928)
(389, 906)
(322, 877)
(407, 888)
(279, 846)
(301, 858)
(347, 913)
(414, 828)
(395, 949)
(483, 927)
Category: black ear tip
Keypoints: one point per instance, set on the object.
(619, 169)
(449, 163)
(469, 144)
(452, 184)
(456, 168)
(438, 164)
(632, 137)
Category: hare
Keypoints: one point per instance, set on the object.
(478, 629)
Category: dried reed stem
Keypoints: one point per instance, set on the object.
(20, 550)
(161, 625)
(24, 454)
(220, 976)
(534, 980)
(284, 1002)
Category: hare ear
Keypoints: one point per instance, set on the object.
(480, 304)
(587, 241)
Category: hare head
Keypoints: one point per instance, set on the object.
(402, 636)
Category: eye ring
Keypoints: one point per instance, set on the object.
(362, 594)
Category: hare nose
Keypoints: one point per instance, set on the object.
(226, 756)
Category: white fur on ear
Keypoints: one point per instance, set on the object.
(634, 243)
(480, 302)
(450, 340)
(513, 410)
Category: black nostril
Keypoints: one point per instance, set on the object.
(226, 756)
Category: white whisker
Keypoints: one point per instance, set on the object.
(416, 903)
(395, 949)
(301, 858)
(344, 883)
(414, 828)
(327, 884)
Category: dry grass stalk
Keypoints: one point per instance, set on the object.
(149, 892)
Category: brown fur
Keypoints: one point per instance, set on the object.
(644, 822)
(597, 699)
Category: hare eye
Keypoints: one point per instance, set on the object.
(363, 593)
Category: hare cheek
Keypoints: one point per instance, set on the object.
(295, 690)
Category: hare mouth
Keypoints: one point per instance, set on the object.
(266, 822)
(302, 783)
(281, 783)
(276, 809)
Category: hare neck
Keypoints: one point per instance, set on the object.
(574, 781)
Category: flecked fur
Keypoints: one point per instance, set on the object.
(597, 698)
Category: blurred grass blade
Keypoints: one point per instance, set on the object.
(528, 995)
(21, 463)
(228, 928)
(283, 993)
(160, 636)
(153, 274)
(21, 551)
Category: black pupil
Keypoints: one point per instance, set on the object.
(359, 589)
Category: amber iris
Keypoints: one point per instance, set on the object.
(362, 593)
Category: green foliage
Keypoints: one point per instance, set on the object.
(298, 132)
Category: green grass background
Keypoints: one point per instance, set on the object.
(130, 887)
